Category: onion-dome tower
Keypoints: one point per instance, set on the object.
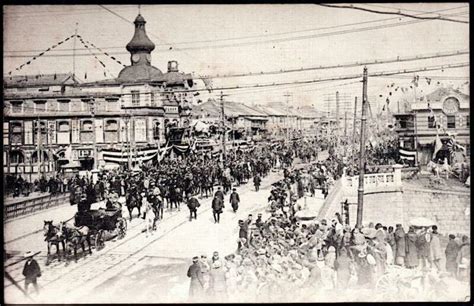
(140, 48)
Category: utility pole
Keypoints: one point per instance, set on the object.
(287, 95)
(360, 190)
(39, 159)
(354, 129)
(94, 139)
(74, 54)
(337, 114)
(223, 130)
(127, 119)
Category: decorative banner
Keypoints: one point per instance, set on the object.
(105, 53)
(39, 55)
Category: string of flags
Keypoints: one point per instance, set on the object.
(102, 63)
(105, 53)
(41, 54)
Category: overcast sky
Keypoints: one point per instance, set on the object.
(303, 36)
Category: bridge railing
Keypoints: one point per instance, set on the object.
(14, 210)
(374, 180)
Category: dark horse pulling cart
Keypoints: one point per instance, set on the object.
(103, 224)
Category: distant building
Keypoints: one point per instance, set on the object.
(242, 120)
(60, 119)
(417, 130)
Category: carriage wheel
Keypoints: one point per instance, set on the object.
(386, 286)
(99, 241)
(121, 225)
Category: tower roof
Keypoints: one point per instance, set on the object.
(140, 41)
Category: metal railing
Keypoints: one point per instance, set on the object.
(26, 207)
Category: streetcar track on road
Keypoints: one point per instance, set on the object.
(123, 257)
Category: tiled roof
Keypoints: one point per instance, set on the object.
(40, 80)
(232, 109)
(441, 93)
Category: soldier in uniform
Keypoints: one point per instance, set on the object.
(234, 200)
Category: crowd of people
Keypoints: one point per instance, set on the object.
(17, 186)
(285, 258)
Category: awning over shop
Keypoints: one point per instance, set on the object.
(257, 118)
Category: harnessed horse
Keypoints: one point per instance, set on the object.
(53, 236)
(75, 237)
(133, 200)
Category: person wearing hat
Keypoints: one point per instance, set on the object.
(205, 269)
(464, 260)
(435, 248)
(217, 286)
(243, 234)
(219, 194)
(217, 207)
(411, 259)
(451, 252)
(193, 205)
(197, 284)
(31, 271)
(234, 200)
(400, 245)
(256, 181)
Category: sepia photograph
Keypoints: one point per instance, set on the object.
(325, 148)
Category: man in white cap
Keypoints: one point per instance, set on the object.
(31, 271)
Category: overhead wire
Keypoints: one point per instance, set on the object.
(392, 13)
(274, 40)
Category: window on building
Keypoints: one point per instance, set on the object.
(135, 98)
(152, 99)
(468, 121)
(451, 122)
(431, 122)
(156, 130)
(34, 157)
(16, 133)
(112, 104)
(40, 106)
(63, 105)
(63, 132)
(17, 106)
(111, 131)
(86, 131)
(16, 157)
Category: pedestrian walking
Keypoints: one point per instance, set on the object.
(256, 181)
(435, 248)
(400, 245)
(197, 283)
(234, 200)
(31, 271)
(217, 287)
(451, 252)
(217, 207)
(193, 205)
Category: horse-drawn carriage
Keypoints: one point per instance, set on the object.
(103, 224)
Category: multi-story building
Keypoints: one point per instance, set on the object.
(243, 120)
(416, 127)
(55, 121)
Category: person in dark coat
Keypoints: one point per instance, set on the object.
(400, 245)
(451, 252)
(31, 272)
(197, 283)
(411, 259)
(234, 200)
(217, 206)
(256, 181)
(193, 205)
(219, 194)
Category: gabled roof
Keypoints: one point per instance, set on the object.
(231, 109)
(441, 93)
(40, 80)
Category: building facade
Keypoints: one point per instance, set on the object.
(417, 128)
(57, 122)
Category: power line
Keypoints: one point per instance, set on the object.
(328, 34)
(337, 78)
(398, 9)
(393, 13)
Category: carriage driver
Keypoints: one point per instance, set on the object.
(83, 204)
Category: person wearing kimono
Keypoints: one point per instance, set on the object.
(411, 259)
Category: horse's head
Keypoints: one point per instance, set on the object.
(47, 227)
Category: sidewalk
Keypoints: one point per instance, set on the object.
(33, 195)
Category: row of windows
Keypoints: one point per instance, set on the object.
(63, 132)
(450, 122)
(61, 105)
